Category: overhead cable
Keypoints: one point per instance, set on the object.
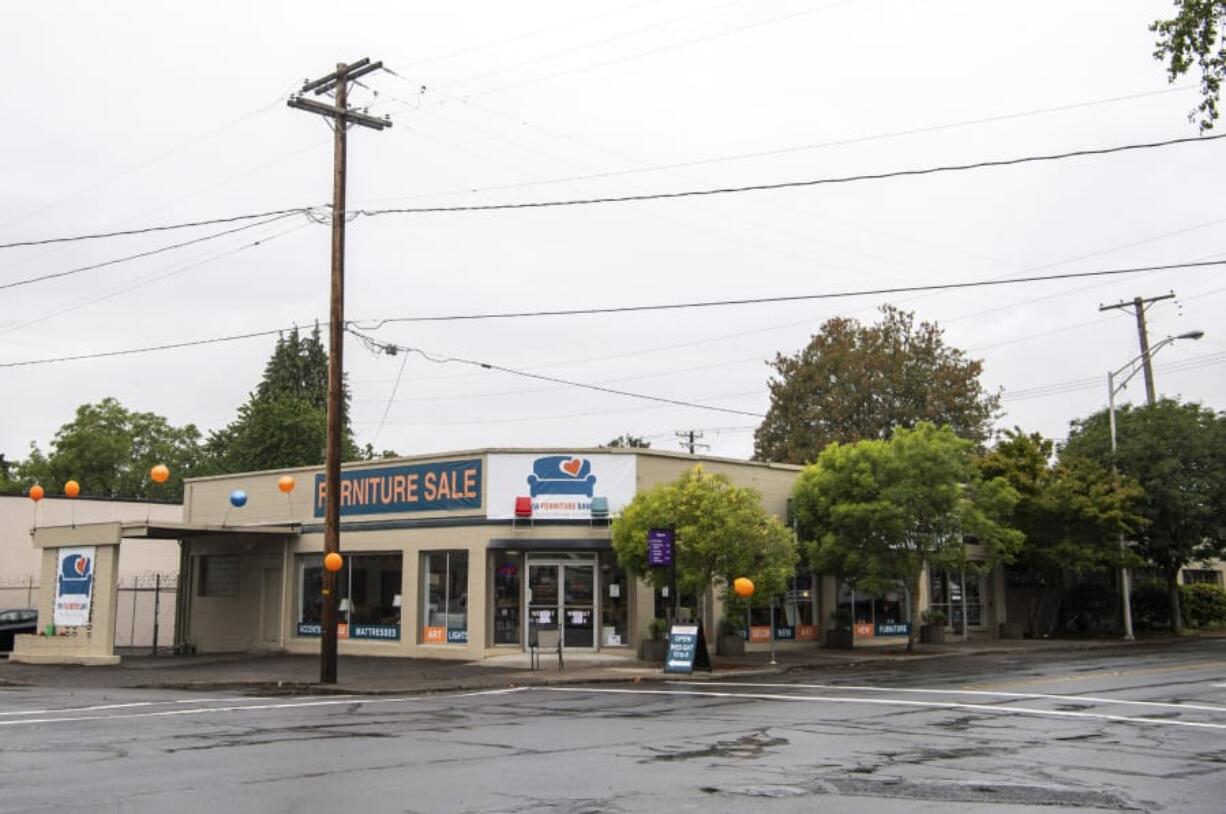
(844, 179)
(164, 228)
(829, 295)
(375, 346)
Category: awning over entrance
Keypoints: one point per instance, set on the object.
(550, 544)
(86, 534)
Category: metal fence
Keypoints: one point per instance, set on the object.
(145, 608)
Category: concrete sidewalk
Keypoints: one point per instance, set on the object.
(363, 675)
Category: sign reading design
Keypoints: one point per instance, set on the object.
(74, 586)
(561, 487)
(440, 486)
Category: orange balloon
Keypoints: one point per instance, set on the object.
(72, 488)
(286, 483)
(743, 587)
(333, 562)
(36, 493)
(159, 473)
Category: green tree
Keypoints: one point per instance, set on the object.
(877, 512)
(109, 450)
(722, 532)
(9, 483)
(284, 422)
(854, 382)
(1177, 453)
(1072, 513)
(1194, 36)
(629, 441)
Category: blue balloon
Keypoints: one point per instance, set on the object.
(238, 498)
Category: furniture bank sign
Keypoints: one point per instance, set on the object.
(561, 487)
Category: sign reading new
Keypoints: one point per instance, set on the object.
(429, 487)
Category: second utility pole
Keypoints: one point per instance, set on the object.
(1138, 305)
(341, 117)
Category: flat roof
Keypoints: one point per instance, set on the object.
(468, 453)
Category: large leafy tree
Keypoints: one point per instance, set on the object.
(721, 531)
(1072, 513)
(1177, 453)
(284, 421)
(854, 382)
(1194, 37)
(109, 450)
(877, 512)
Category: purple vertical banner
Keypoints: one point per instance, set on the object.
(659, 547)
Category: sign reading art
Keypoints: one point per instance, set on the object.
(439, 486)
(74, 586)
(561, 487)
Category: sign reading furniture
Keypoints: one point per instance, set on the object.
(429, 487)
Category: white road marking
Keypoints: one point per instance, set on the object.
(997, 710)
(988, 693)
(333, 701)
(135, 704)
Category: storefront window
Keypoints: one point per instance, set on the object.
(615, 604)
(508, 590)
(367, 591)
(949, 597)
(445, 597)
(886, 615)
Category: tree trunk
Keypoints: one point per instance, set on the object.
(913, 591)
(1176, 611)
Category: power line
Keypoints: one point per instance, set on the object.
(165, 228)
(147, 349)
(375, 346)
(794, 297)
(890, 134)
(576, 312)
(141, 255)
(844, 179)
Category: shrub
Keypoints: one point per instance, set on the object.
(934, 617)
(1204, 605)
(657, 628)
(1151, 605)
(841, 618)
(1091, 608)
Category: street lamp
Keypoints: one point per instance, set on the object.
(1112, 389)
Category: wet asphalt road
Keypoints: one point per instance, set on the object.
(1111, 730)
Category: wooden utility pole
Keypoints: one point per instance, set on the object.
(341, 117)
(689, 440)
(1138, 306)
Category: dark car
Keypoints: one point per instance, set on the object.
(12, 622)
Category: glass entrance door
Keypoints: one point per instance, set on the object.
(562, 597)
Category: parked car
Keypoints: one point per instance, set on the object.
(12, 622)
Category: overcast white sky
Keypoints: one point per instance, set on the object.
(121, 115)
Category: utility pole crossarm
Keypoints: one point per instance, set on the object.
(352, 116)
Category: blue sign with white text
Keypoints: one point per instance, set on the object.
(439, 486)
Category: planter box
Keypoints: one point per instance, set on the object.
(732, 645)
(653, 650)
(932, 634)
(840, 639)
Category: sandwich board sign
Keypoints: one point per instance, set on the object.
(687, 650)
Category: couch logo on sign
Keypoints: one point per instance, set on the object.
(76, 571)
(561, 475)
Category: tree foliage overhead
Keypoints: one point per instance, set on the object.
(1177, 453)
(722, 532)
(854, 382)
(1195, 37)
(109, 450)
(878, 512)
(284, 421)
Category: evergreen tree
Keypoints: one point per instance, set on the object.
(284, 421)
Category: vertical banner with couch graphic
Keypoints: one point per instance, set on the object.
(74, 586)
(561, 486)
